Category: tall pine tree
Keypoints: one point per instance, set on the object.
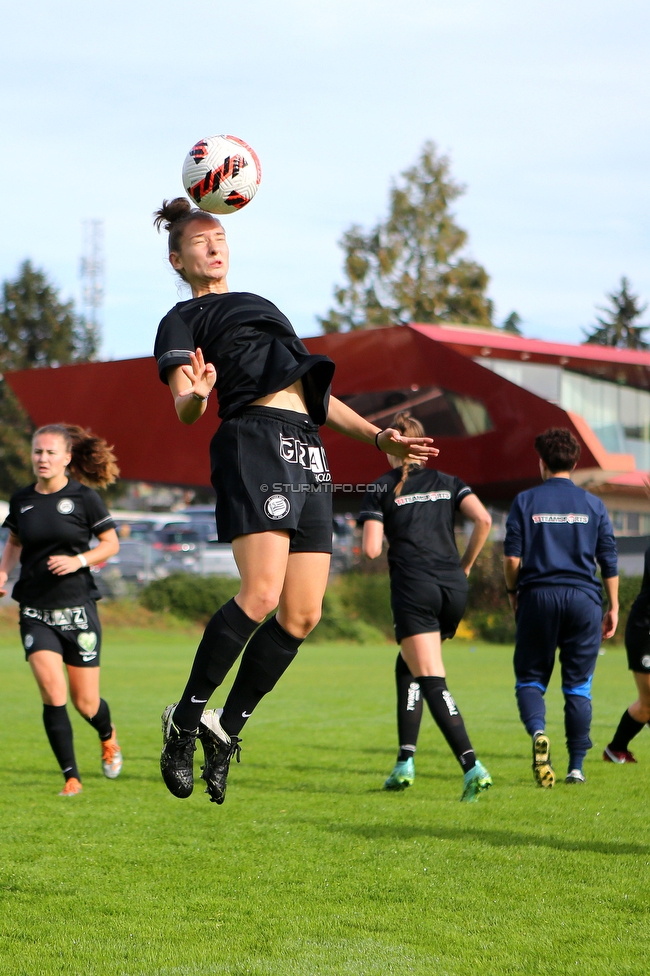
(615, 327)
(410, 267)
(36, 329)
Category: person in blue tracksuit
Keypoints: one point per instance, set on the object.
(555, 535)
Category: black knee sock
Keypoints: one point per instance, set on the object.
(409, 709)
(221, 645)
(448, 719)
(267, 657)
(101, 722)
(59, 731)
(628, 727)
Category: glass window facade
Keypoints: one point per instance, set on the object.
(619, 415)
(441, 412)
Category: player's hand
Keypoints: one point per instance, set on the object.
(3, 583)
(63, 565)
(610, 623)
(202, 376)
(512, 597)
(412, 448)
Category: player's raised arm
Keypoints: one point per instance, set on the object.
(191, 386)
(345, 420)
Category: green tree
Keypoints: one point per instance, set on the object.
(36, 329)
(409, 268)
(615, 327)
(512, 323)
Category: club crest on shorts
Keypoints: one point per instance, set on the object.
(65, 506)
(29, 641)
(87, 641)
(277, 506)
(645, 660)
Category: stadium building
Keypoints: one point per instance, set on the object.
(482, 394)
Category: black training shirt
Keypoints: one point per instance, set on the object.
(58, 524)
(640, 610)
(419, 523)
(252, 345)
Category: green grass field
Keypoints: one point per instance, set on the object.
(309, 868)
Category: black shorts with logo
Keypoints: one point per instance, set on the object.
(73, 632)
(637, 641)
(424, 606)
(270, 471)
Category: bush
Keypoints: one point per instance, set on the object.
(366, 597)
(198, 597)
(188, 596)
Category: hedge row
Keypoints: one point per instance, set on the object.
(357, 605)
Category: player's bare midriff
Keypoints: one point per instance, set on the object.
(291, 398)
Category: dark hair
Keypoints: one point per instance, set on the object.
(93, 461)
(174, 216)
(558, 449)
(410, 427)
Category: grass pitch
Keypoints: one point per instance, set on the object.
(309, 868)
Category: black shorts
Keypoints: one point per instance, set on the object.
(73, 632)
(270, 472)
(424, 606)
(637, 643)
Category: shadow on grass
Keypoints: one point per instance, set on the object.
(493, 838)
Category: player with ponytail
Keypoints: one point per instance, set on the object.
(272, 482)
(415, 509)
(50, 526)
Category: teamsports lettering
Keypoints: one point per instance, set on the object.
(68, 618)
(425, 496)
(553, 518)
(311, 457)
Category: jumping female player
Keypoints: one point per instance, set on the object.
(637, 645)
(271, 478)
(50, 524)
(428, 586)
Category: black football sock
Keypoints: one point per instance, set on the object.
(628, 727)
(446, 715)
(221, 645)
(59, 731)
(267, 657)
(102, 721)
(409, 709)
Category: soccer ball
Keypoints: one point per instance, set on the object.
(221, 174)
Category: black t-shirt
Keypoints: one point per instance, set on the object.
(419, 523)
(252, 345)
(58, 524)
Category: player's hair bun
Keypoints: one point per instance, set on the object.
(171, 211)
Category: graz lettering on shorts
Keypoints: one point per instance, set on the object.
(68, 618)
(425, 496)
(569, 518)
(310, 456)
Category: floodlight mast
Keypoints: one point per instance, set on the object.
(91, 271)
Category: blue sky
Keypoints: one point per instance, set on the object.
(542, 106)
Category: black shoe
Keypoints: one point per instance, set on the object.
(177, 757)
(218, 749)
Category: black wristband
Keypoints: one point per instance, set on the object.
(195, 396)
(377, 439)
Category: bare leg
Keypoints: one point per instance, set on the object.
(423, 654)
(47, 667)
(640, 709)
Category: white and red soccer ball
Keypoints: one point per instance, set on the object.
(221, 174)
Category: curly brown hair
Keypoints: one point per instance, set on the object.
(93, 462)
(558, 449)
